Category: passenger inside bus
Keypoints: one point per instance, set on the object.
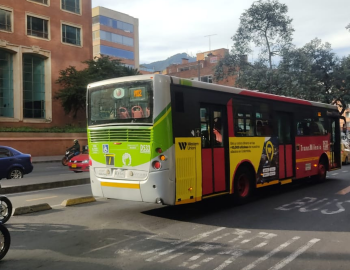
(123, 113)
(137, 112)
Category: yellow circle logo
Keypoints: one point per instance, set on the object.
(269, 150)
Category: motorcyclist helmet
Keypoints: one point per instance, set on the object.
(75, 141)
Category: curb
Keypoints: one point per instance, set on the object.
(31, 209)
(45, 161)
(76, 201)
(41, 186)
(45, 206)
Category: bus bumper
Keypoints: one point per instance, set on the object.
(158, 186)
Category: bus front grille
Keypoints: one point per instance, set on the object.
(121, 135)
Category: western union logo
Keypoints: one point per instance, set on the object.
(182, 145)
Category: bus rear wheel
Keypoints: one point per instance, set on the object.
(322, 171)
(243, 185)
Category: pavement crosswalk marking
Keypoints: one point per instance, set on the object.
(183, 243)
(344, 191)
(295, 254)
(273, 252)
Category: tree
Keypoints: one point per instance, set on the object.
(266, 25)
(72, 95)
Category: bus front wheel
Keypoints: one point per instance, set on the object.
(243, 185)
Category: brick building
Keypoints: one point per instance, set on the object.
(116, 34)
(38, 38)
(203, 68)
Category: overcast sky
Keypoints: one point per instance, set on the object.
(169, 27)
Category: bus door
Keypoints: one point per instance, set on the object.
(286, 139)
(214, 140)
(335, 161)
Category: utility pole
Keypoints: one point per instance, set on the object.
(209, 39)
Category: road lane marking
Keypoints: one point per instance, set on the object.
(270, 254)
(41, 199)
(334, 173)
(183, 243)
(344, 191)
(201, 262)
(344, 171)
(292, 256)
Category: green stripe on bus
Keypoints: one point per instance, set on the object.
(162, 113)
(185, 82)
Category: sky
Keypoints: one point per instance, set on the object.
(168, 27)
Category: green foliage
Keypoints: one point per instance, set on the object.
(66, 129)
(72, 95)
(312, 72)
(267, 26)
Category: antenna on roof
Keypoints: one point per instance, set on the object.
(209, 39)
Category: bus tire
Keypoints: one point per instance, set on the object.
(322, 171)
(243, 185)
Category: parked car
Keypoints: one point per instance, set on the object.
(79, 163)
(345, 153)
(13, 163)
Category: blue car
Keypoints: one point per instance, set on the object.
(14, 164)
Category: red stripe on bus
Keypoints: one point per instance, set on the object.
(230, 119)
(289, 160)
(274, 97)
(282, 172)
(207, 171)
(219, 169)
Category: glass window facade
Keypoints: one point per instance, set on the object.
(115, 38)
(116, 52)
(37, 27)
(71, 5)
(6, 84)
(5, 20)
(71, 35)
(127, 27)
(33, 86)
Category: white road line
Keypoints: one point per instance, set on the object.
(240, 234)
(221, 236)
(201, 262)
(183, 243)
(292, 256)
(334, 173)
(261, 234)
(270, 254)
(344, 171)
(171, 257)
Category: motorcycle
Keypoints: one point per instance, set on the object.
(68, 156)
(5, 209)
(5, 214)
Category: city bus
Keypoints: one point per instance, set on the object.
(162, 139)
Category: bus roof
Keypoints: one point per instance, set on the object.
(217, 87)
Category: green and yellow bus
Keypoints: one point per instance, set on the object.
(161, 139)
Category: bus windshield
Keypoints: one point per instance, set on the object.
(126, 102)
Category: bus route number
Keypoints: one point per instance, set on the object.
(145, 149)
(138, 93)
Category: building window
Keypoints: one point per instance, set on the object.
(5, 20)
(127, 27)
(45, 2)
(33, 86)
(71, 5)
(71, 35)
(208, 79)
(116, 52)
(37, 27)
(115, 38)
(6, 84)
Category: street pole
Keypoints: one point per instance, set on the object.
(209, 39)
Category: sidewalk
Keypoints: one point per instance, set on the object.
(47, 159)
(43, 182)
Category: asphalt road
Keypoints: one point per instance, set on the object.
(49, 168)
(297, 227)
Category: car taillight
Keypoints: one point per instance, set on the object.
(156, 165)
